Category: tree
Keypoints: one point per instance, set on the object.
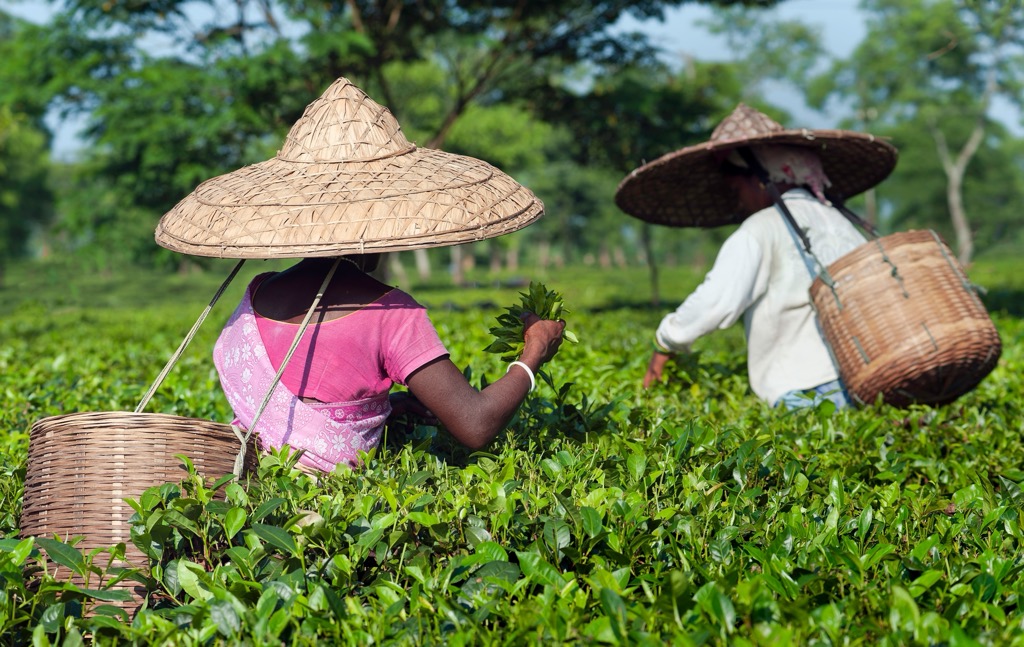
(765, 50)
(181, 90)
(916, 195)
(939, 65)
(25, 198)
(623, 117)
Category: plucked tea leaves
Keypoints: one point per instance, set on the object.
(508, 334)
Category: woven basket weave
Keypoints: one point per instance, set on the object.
(687, 188)
(904, 322)
(81, 467)
(347, 181)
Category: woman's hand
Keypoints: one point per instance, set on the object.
(476, 417)
(655, 368)
(541, 339)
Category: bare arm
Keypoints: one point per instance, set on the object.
(655, 368)
(475, 417)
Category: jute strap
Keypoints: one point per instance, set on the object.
(240, 459)
(243, 438)
(188, 338)
(800, 238)
(815, 267)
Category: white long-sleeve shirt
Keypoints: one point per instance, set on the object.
(760, 275)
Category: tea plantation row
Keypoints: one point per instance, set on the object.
(688, 514)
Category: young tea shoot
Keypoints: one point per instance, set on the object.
(508, 334)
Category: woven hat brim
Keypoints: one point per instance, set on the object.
(281, 209)
(685, 188)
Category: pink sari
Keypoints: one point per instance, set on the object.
(329, 433)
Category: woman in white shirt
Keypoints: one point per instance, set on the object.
(761, 273)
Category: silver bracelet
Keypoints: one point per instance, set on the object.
(533, 382)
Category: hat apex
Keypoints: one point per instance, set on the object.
(745, 123)
(344, 125)
(346, 181)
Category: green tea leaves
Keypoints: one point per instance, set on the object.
(508, 334)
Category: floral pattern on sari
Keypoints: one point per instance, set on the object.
(329, 433)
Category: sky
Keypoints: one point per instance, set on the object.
(841, 24)
(840, 21)
(680, 35)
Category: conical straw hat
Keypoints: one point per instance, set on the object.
(686, 188)
(347, 181)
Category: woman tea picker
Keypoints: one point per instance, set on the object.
(761, 273)
(346, 186)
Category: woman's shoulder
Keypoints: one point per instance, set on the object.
(397, 295)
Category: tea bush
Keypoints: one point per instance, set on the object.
(691, 513)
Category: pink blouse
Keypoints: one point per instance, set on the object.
(356, 356)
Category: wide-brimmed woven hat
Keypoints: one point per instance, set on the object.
(347, 181)
(686, 188)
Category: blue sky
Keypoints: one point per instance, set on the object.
(841, 24)
(840, 21)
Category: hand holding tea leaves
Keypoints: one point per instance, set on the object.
(510, 332)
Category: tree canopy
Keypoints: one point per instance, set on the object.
(555, 93)
(928, 73)
(25, 200)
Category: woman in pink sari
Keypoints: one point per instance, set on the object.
(346, 184)
(333, 400)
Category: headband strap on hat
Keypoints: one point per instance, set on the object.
(794, 165)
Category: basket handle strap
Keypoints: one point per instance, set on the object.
(853, 217)
(799, 238)
(188, 339)
(803, 243)
(240, 458)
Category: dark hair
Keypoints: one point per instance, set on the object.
(730, 169)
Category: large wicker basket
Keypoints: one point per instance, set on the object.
(81, 467)
(904, 323)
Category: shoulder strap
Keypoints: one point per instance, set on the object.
(803, 244)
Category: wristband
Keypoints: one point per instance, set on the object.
(533, 382)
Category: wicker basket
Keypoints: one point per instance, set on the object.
(904, 322)
(81, 467)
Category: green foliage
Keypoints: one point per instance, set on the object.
(26, 202)
(177, 91)
(691, 513)
(507, 136)
(929, 73)
(539, 300)
(993, 187)
(764, 48)
(629, 114)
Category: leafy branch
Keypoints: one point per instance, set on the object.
(508, 334)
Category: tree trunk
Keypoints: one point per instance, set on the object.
(495, 256)
(512, 259)
(964, 235)
(396, 269)
(456, 265)
(955, 170)
(871, 206)
(422, 263)
(619, 256)
(645, 241)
